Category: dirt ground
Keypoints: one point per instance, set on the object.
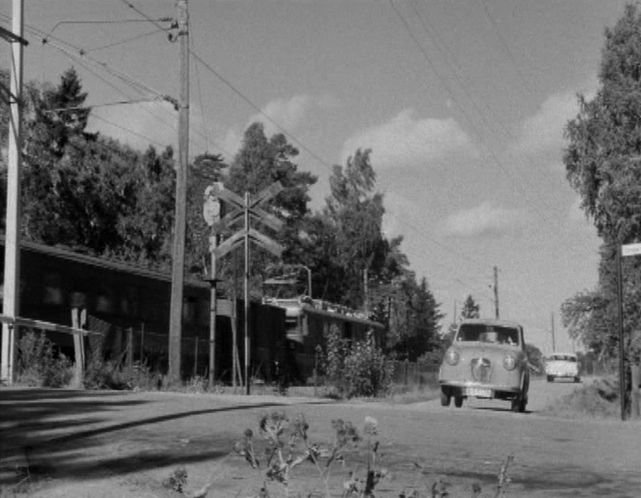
(57, 443)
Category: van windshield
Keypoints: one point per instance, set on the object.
(488, 333)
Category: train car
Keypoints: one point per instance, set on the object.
(309, 322)
(122, 299)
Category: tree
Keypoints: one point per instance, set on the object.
(259, 163)
(419, 318)
(470, 308)
(603, 165)
(355, 214)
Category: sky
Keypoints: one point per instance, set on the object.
(463, 104)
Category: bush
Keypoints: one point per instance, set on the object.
(598, 400)
(39, 364)
(357, 368)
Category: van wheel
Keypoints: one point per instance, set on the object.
(445, 398)
(458, 401)
(519, 403)
(550, 378)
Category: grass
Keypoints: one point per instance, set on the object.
(598, 399)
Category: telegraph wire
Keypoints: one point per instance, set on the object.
(489, 150)
(458, 104)
(200, 98)
(505, 45)
(455, 68)
(254, 106)
(148, 18)
(128, 130)
(122, 42)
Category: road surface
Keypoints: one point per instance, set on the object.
(103, 444)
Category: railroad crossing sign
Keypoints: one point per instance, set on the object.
(251, 208)
(212, 207)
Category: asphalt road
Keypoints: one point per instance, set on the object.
(73, 444)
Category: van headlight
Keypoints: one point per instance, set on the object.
(452, 357)
(509, 362)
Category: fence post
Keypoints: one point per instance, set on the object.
(635, 374)
(195, 356)
(78, 349)
(142, 343)
(406, 364)
(130, 349)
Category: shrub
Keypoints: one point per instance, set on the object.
(39, 364)
(357, 368)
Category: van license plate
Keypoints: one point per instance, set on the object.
(479, 392)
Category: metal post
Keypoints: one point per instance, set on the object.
(496, 292)
(309, 281)
(212, 315)
(195, 356)
(635, 379)
(621, 346)
(178, 250)
(11, 299)
(246, 316)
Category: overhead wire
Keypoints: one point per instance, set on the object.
(80, 56)
(258, 109)
(450, 60)
(292, 137)
(491, 152)
(455, 100)
(124, 41)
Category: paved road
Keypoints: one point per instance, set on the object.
(125, 444)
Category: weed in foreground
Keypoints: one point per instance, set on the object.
(286, 445)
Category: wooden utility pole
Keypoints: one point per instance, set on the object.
(11, 298)
(496, 292)
(178, 252)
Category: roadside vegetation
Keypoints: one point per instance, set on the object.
(597, 399)
(286, 460)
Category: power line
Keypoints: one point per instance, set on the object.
(257, 108)
(149, 19)
(200, 97)
(128, 130)
(124, 41)
(446, 87)
(505, 45)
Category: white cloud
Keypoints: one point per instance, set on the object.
(139, 125)
(290, 115)
(485, 219)
(397, 208)
(407, 141)
(543, 131)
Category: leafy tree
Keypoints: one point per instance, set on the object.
(355, 214)
(260, 162)
(470, 308)
(603, 164)
(146, 229)
(415, 324)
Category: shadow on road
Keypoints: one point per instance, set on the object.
(61, 432)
